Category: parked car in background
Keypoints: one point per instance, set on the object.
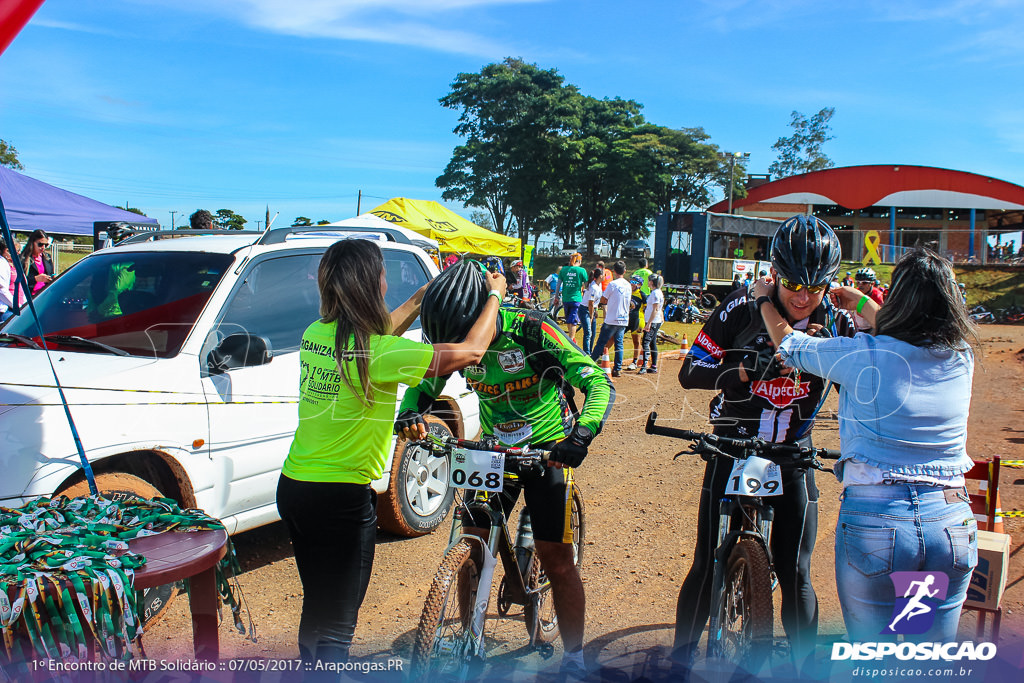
(570, 250)
(635, 249)
(602, 248)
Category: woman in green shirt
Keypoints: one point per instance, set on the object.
(346, 415)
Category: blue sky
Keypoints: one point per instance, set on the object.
(175, 105)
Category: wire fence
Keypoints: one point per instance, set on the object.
(66, 254)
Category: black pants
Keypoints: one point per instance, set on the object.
(333, 528)
(793, 534)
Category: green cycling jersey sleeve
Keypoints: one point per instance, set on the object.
(582, 373)
(419, 397)
(519, 383)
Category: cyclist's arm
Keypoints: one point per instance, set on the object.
(403, 316)
(582, 373)
(709, 365)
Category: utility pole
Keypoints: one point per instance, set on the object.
(359, 203)
(172, 219)
(733, 157)
(258, 224)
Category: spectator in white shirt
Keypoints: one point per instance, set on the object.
(616, 316)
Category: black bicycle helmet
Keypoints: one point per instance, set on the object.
(452, 303)
(806, 250)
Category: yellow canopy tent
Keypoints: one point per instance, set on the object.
(452, 232)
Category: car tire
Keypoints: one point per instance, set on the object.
(121, 486)
(419, 493)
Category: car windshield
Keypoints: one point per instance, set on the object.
(142, 303)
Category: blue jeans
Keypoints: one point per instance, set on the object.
(588, 326)
(902, 528)
(609, 332)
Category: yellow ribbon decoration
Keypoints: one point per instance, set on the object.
(871, 241)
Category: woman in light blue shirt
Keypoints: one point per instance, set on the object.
(906, 543)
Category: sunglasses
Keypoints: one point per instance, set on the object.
(42, 244)
(798, 286)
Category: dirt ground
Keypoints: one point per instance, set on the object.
(640, 518)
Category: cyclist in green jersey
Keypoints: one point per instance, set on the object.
(525, 384)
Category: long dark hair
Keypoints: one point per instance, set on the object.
(924, 306)
(26, 252)
(349, 278)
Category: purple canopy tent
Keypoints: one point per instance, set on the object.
(32, 204)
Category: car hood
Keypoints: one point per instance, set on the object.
(27, 377)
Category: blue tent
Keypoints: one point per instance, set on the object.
(32, 204)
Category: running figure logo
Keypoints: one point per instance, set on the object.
(917, 594)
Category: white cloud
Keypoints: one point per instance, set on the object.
(415, 23)
(70, 26)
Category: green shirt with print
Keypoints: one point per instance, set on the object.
(643, 274)
(517, 404)
(573, 278)
(340, 439)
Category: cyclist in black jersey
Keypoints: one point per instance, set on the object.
(759, 397)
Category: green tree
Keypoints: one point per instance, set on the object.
(9, 156)
(226, 219)
(302, 220)
(481, 218)
(689, 168)
(512, 116)
(130, 209)
(801, 152)
(323, 221)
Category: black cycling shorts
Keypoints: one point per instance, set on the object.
(549, 499)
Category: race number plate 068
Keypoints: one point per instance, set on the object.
(478, 470)
(754, 477)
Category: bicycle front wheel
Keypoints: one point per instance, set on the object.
(444, 644)
(745, 619)
(542, 621)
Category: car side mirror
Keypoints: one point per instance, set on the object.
(239, 350)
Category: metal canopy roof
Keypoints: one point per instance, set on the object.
(858, 187)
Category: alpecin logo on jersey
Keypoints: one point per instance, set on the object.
(781, 391)
(711, 347)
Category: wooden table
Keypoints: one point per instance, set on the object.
(175, 555)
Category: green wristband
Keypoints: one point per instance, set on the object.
(863, 300)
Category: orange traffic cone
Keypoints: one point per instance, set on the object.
(606, 366)
(684, 348)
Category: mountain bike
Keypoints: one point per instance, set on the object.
(740, 629)
(450, 640)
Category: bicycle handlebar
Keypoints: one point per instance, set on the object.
(512, 453)
(754, 444)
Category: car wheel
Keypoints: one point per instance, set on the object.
(119, 486)
(419, 494)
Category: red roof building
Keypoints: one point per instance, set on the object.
(908, 206)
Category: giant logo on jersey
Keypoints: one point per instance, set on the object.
(781, 391)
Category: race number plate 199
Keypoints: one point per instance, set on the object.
(478, 470)
(754, 476)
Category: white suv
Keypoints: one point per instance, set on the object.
(179, 360)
